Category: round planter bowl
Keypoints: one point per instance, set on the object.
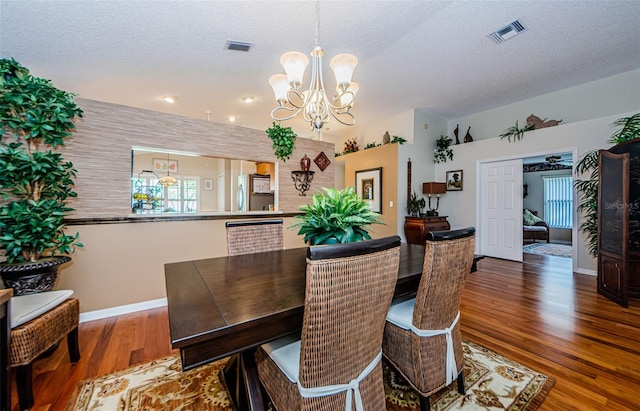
(32, 277)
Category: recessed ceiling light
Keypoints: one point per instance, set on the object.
(248, 99)
(169, 99)
(232, 118)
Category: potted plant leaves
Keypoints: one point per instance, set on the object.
(587, 188)
(335, 216)
(283, 140)
(415, 205)
(35, 181)
(443, 150)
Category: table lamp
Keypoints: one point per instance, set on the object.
(437, 189)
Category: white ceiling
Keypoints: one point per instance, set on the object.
(431, 55)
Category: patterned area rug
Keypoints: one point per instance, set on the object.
(559, 250)
(493, 383)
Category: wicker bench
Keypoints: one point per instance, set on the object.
(33, 338)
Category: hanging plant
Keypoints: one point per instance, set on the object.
(515, 132)
(443, 150)
(588, 189)
(283, 141)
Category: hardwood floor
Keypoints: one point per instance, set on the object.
(537, 313)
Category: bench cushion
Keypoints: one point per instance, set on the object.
(25, 308)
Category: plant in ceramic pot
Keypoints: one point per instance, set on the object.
(335, 216)
(35, 181)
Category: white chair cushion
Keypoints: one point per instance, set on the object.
(25, 308)
(285, 352)
(401, 313)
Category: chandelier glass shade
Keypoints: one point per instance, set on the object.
(316, 106)
(167, 181)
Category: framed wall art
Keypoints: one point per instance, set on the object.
(322, 161)
(160, 164)
(369, 187)
(207, 184)
(454, 180)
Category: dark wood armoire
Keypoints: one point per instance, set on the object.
(619, 222)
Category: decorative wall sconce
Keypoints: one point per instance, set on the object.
(437, 189)
(302, 180)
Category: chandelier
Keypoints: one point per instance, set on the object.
(314, 103)
(168, 180)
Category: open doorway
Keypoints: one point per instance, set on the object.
(548, 220)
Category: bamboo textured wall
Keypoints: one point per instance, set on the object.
(100, 150)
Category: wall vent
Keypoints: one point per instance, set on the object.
(507, 32)
(238, 45)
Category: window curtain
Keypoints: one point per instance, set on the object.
(558, 201)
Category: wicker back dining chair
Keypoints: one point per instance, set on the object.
(248, 237)
(422, 335)
(348, 291)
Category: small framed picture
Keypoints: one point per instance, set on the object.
(207, 184)
(454, 180)
(369, 187)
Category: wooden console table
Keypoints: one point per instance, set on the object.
(416, 228)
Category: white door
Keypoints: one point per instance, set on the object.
(501, 209)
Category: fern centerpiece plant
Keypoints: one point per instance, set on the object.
(335, 216)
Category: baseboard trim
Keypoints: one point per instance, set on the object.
(586, 272)
(122, 309)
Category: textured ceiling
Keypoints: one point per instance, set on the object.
(434, 56)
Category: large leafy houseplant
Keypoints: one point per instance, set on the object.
(35, 181)
(588, 188)
(335, 216)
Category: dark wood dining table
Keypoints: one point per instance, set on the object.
(230, 305)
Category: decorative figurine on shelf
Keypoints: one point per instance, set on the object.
(305, 163)
(350, 146)
(467, 137)
(455, 132)
(386, 138)
(536, 122)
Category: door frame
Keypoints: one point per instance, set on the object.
(574, 156)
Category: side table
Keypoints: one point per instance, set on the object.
(416, 228)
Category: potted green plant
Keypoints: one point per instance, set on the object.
(35, 181)
(443, 150)
(283, 141)
(415, 205)
(335, 216)
(588, 189)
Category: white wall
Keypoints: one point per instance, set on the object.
(604, 97)
(419, 147)
(583, 136)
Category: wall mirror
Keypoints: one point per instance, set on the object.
(172, 182)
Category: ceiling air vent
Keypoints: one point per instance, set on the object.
(238, 45)
(507, 32)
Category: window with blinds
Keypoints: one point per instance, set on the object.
(558, 201)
